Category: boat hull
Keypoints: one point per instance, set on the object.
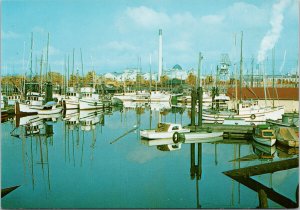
(89, 104)
(71, 104)
(152, 134)
(54, 110)
(265, 141)
(202, 135)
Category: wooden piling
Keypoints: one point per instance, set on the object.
(200, 101)
(263, 199)
(193, 106)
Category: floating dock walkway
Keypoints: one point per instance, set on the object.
(230, 131)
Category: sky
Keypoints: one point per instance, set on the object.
(113, 34)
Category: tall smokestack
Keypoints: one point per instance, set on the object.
(160, 58)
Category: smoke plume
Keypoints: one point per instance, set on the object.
(271, 37)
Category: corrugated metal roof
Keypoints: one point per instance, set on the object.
(258, 93)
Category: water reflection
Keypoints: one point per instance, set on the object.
(85, 147)
(36, 134)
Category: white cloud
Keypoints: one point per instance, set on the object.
(212, 19)
(246, 15)
(147, 17)
(184, 19)
(9, 35)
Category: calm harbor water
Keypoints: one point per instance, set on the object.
(71, 164)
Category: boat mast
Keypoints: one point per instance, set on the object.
(273, 68)
(199, 87)
(73, 69)
(82, 68)
(241, 66)
(66, 76)
(68, 73)
(236, 86)
(252, 62)
(41, 74)
(47, 58)
(31, 60)
(150, 73)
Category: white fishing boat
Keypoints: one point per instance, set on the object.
(31, 105)
(2, 101)
(12, 99)
(288, 120)
(71, 100)
(287, 136)
(248, 110)
(159, 96)
(263, 134)
(90, 99)
(123, 96)
(49, 109)
(163, 130)
(235, 121)
(132, 96)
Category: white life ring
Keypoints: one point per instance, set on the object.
(27, 102)
(252, 116)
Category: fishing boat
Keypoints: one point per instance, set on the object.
(264, 134)
(49, 108)
(12, 99)
(169, 141)
(31, 105)
(71, 100)
(90, 99)
(132, 96)
(287, 136)
(248, 110)
(235, 121)
(158, 96)
(288, 120)
(163, 130)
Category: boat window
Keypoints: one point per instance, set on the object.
(268, 133)
(175, 128)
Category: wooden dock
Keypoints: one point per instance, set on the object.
(243, 176)
(230, 131)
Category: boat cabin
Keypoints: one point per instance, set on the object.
(168, 127)
(265, 131)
